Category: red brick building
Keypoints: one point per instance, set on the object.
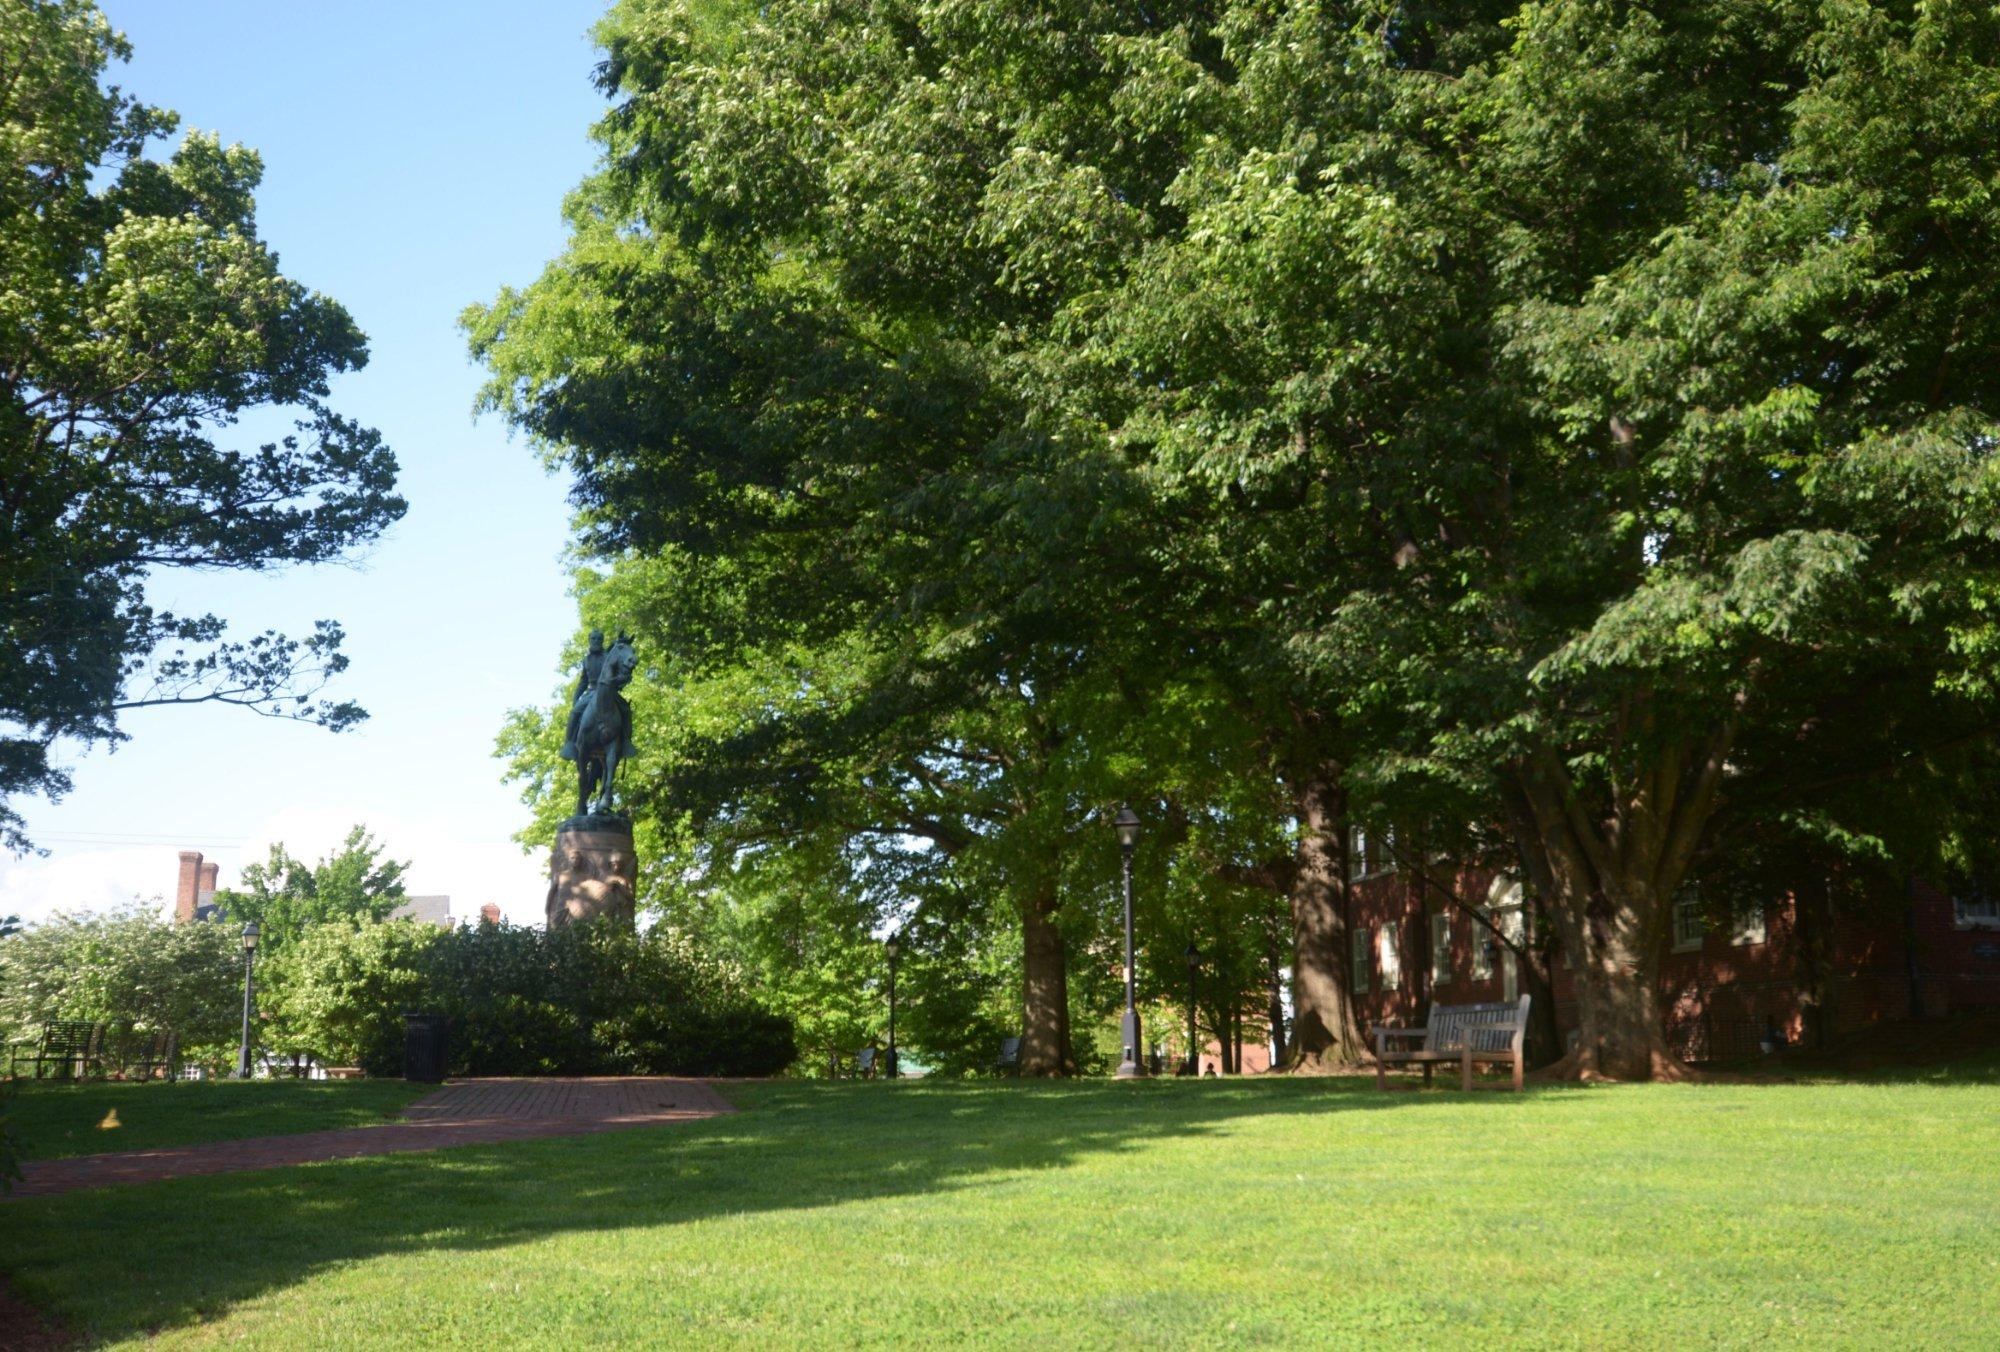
(1924, 953)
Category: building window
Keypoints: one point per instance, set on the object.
(1440, 948)
(1750, 928)
(1977, 907)
(1689, 928)
(1372, 853)
(1482, 948)
(1360, 961)
(1391, 956)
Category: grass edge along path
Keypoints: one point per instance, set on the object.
(56, 1120)
(1166, 1214)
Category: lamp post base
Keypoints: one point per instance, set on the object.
(1129, 1068)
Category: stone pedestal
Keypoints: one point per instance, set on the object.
(592, 871)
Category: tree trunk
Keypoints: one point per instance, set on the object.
(1613, 871)
(1045, 1046)
(1225, 1059)
(1324, 1032)
(1536, 958)
(1812, 932)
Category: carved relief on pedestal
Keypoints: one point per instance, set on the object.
(593, 872)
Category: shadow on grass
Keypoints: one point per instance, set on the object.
(123, 1261)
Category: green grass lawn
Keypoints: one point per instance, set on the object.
(1159, 1214)
(53, 1120)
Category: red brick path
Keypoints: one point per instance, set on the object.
(464, 1112)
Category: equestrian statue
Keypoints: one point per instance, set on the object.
(599, 734)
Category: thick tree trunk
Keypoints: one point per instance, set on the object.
(1325, 1035)
(1045, 1046)
(1613, 871)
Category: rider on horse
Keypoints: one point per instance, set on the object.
(587, 676)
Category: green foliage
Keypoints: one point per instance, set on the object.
(286, 897)
(341, 989)
(128, 969)
(141, 317)
(584, 1000)
(1574, 419)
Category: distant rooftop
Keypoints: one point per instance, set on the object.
(431, 910)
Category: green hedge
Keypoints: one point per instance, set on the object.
(589, 1000)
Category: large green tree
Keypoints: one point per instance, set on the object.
(1634, 361)
(1574, 417)
(140, 317)
(352, 883)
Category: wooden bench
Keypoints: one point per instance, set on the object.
(1457, 1034)
(72, 1046)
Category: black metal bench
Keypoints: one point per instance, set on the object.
(72, 1046)
(1008, 1062)
(159, 1054)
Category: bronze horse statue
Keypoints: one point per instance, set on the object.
(604, 730)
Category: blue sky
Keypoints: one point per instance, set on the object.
(416, 156)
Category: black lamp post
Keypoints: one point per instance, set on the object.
(249, 959)
(1193, 961)
(893, 947)
(1127, 823)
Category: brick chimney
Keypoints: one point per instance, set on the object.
(206, 892)
(188, 894)
(489, 914)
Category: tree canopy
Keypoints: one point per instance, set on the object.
(352, 883)
(1575, 421)
(141, 317)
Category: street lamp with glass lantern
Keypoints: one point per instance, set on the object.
(249, 958)
(893, 947)
(1127, 824)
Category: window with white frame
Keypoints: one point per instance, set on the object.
(1482, 946)
(1390, 955)
(1361, 970)
(1977, 906)
(1440, 948)
(1357, 852)
(1386, 862)
(1749, 927)
(1689, 927)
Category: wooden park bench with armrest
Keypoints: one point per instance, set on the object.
(72, 1046)
(1462, 1035)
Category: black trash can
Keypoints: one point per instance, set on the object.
(424, 1048)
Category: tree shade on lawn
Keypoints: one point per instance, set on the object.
(1170, 1213)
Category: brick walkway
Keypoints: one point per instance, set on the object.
(464, 1112)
